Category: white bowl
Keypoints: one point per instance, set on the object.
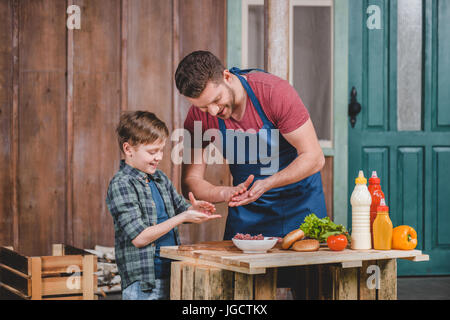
(255, 246)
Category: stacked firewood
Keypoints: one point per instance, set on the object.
(107, 272)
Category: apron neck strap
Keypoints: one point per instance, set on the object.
(251, 94)
(237, 71)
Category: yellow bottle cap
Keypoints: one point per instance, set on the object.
(361, 179)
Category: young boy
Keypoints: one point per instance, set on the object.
(146, 208)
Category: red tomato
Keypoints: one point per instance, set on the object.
(337, 242)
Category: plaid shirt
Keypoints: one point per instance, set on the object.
(130, 202)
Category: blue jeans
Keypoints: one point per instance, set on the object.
(160, 292)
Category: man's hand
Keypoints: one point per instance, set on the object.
(198, 217)
(227, 193)
(256, 191)
(202, 206)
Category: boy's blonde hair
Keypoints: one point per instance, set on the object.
(140, 127)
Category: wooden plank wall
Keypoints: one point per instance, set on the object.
(96, 109)
(41, 124)
(6, 116)
(327, 183)
(61, 94)
(213, 20)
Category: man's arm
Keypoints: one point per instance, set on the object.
(193, 180)
(310, 160)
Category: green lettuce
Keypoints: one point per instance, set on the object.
(321, 229)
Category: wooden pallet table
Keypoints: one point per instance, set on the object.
(215, 271)
(69, 274)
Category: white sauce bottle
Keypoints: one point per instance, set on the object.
(361, 201)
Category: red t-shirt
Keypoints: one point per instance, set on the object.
(279, 100)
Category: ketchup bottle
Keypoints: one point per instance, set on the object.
(377, 194)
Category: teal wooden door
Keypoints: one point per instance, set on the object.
(413, 164)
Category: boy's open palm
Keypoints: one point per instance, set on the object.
(199, 217)
(202, 206)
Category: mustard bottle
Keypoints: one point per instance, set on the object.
(382, 228)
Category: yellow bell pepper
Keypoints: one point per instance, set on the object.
(404, 238)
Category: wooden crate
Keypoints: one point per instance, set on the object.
(190, 281)
(69, 274)
(347, 282)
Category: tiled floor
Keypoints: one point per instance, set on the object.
(410, 288)
(423, 288)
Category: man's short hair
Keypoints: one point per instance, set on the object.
(195, 71)
(140, 127)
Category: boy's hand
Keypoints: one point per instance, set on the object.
(198, 217)
(202, 206)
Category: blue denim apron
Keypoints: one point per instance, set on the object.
(162, 265)
(279, 210)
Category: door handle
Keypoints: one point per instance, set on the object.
(354, 108)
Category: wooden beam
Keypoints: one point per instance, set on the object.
(77, 297)
(15, 125)
(89, 283)
(346, 284)
(187, 284)
(326, 283)
(10, 293)
(57, 250)
(59, 285)
(351, 264)
(124, 55)
(366, 292)
(243, 286)
(5, 267)
(69, 135)
(14, 260)
(388, 279)
(266, 285)
(36, 279)
(16, 280)
(222, 282)
(176, 121)
(276, 37)
(70, 250)
(59, 264)
(202, 288)
(176, 276)
(422, 257)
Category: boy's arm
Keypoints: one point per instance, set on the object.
(153, 233)
(124, 206)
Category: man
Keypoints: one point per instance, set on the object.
(271, 194)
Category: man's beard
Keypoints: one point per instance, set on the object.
(232, 105)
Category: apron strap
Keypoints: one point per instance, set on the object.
(250, 93)
(236, 70)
